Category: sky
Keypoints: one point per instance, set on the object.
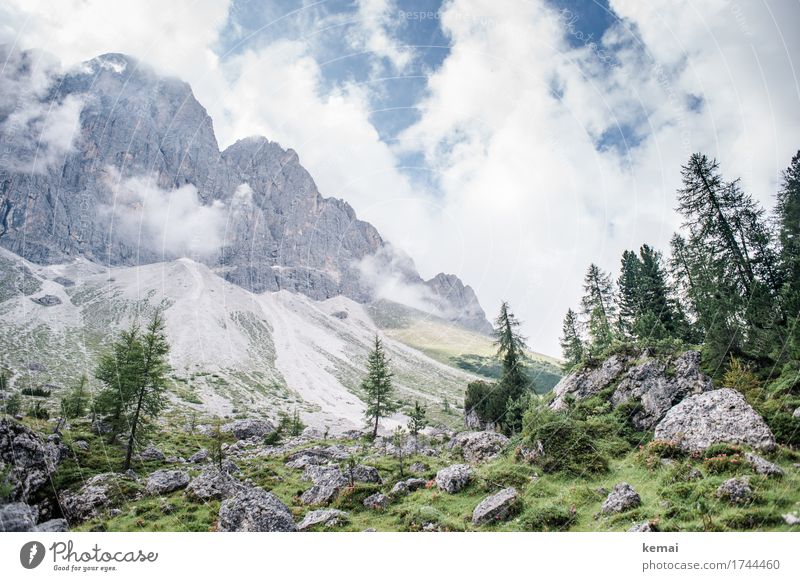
(509, 142)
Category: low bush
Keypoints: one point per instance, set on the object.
(548, 518)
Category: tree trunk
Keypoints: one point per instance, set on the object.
(132, 436)
(375, 429)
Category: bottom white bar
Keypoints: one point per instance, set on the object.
(378, 556)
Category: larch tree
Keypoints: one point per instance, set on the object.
(598, 308)
(571, 343)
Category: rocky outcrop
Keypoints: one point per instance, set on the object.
(211, 484)
(255, 510)
(249, 428)
(735, 491)
(27, 460)
(454, 478)
(588, 382)
(199, 456)
(622, 498)
(718, 416)
(479, 447)
(328, 482)
(495, 508)
(408, 485)
(377, 501)
(98, 494)
(166, 481)
(327, 517)
(18, 517)
(458, 302)
(654, 384)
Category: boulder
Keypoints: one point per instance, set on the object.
(101, 427)
(417, 468)
(656, 391)
(408, 485)
(27, 460)
(211, 484)
(17, 517)
(199, 456)
(366, 474)
(82, 445)
(254, 510)
(735, 491)
(328, 482)
(308, 457)
(47, 300)
(497, 507)
(249, 428)
(100, 492)
(478, 447)
(377, 501)
(328, 517)
(762, 466)
(151, 453)
(718, 416)
(473, 421)
(454, 478)
(622, 498)
(796, 414)
(588, 382)
(166, 481)
(55, 525)
(791, 519)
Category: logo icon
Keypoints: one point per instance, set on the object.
(31, 554)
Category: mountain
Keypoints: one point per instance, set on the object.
(143, 181)
(233, 352)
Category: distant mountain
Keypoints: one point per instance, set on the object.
(143, 181)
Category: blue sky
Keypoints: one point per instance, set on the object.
(511, 143)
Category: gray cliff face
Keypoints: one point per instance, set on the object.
(279, 231)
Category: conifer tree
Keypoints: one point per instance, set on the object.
(76, 402)
(417, 420)
(377, 386)
(598, 307)
(628, 293)
(788, 224)
(511, 347)
(571, 344)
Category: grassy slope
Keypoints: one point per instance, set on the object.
(549, 502)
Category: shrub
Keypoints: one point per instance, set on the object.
(740, 378)
(487, 400)
(723, 463)
(35, 391)
(563, 444)
(548, 518)
(38, 411)
(650, 454)
(13, 405)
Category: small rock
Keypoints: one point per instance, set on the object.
(47, 300)
(255, 510)
(250, 428)
(417, 468)
(762, 466)
(496, 507)
(199, 456)
(151, 453)
(622, 498)
(408, 485)
(454, 478)
(478, 447)
(81, 445)
(642, 527)
(328, 517)
(796, 414)
(791, 519)
(165, 481)
(55, 525)
(735, 490)
(377, 501)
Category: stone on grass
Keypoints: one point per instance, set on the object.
(454, 478)
(495, 508)
(622, 498)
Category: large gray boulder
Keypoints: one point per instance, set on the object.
(479, 447)
(328, 482)
(255, 510)
(763, 466)
(151, 453)
(494, 508)
(166, 481)
(249, 428)
(211, 484)
(408, 485)
(657, 390)
(17, 517)
(328, 517)
(377, 501)
(454, 478)
(622, 498)
(27, 460)
(718, 416)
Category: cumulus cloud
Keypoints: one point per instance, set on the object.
(377, 19)
(169, 222)
(37, 133)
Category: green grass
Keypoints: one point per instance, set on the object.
(671, 500)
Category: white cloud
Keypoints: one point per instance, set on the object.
(377, 18)
(172, 223)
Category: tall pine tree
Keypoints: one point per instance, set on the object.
(598, 308)
(788, 223)
(514, 384)
(571, 343)
(377, 386)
